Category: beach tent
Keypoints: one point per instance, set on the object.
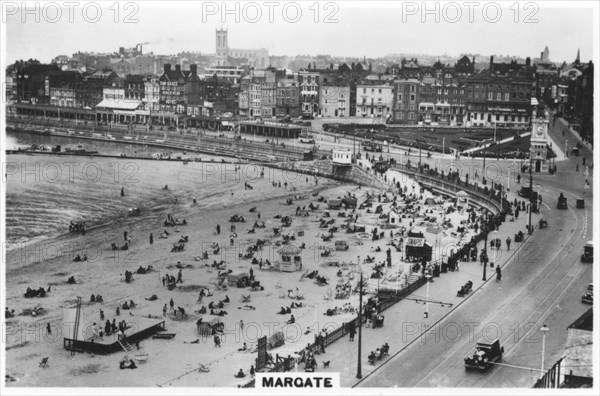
(232, 279)
(334, 204)
(205, 329)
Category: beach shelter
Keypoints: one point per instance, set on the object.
(232, 279)
(291, 259)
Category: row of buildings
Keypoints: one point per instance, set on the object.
(405, 93)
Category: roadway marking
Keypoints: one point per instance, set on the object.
(533, 279)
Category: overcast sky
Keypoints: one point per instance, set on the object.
(354, 29)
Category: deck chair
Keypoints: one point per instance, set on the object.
(303, 276)
(278, 285)
(44, 362)
(246, 299)
(282, 294)
(300, 296)
(209, 270)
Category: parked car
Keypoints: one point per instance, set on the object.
(588, 253)
(588, 297)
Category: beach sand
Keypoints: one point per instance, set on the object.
(28, 341)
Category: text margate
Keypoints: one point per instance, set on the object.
(297, 382)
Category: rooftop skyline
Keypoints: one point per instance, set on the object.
(348, 29)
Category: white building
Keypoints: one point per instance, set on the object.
(341, 157)
(374, 100)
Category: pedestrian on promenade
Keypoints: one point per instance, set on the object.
(351, 330)
(217, 341)
(125, 236)
(179, 277)
(218, 229)
(508, 241)
(151, 239)
(577, 168)
(172, 305)
(49, 328)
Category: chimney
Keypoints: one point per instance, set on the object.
(194, 68)
(178, 68)
(528, 61)
(491, 63)
(167, 67)
(473, 60)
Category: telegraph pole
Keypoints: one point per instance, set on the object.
(529, 228)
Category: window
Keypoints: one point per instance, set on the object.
(506, 96)
(490, 96)
(498, 96)
(497, 117)
(364, 90)
(412, 97)
(379, 90)
(412, 88)
(399, 97)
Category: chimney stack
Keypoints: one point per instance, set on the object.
(491, 63)
(194, 68)
(178, 68)
(167, 67)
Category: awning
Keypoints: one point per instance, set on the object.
(119, 104)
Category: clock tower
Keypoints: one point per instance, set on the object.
(539, 140)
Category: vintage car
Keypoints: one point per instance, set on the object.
(562, 202)
(485, 355)
(588, 253)
(588, 297)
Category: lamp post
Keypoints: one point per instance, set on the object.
(360, 291)
(485, 260)
(483, 171)
(544, 330)
(529, 229)
(426, 315)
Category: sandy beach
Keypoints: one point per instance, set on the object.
(219, 193)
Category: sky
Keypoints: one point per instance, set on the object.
(353, 29)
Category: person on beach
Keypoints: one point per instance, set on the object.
(217, 341)
(165, 310)
(125, 236)
(151, 239)
(49, 328)
(122, 191)
(218, 229)
(179, 277)
(172, 304)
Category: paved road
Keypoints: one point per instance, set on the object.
(541, 285)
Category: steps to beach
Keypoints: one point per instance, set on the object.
(125, 345)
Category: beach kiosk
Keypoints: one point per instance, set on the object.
(291, 259)
(417, 248)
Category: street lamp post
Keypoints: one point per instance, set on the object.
(426, 315)
(529, 229)
(544, 330)
(485, 260)
(359, 366)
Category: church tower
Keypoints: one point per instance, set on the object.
(222, 47)
(538, 150)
